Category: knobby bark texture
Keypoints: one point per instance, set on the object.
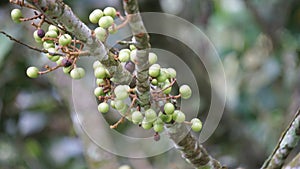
(141, 41)
(288, 141)
(192, 151)
(57, 12)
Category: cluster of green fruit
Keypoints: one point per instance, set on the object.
(105, 20)
(162, 80)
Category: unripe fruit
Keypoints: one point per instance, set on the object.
(96, 64)
(130, 66)
(159, 127)
(65, 40)
(32, 72)
(113, 29)
(185, 91)
(196, 125)
(67, 70)
(166, 118)
(167, 88)
(53, 28)
(162, 77)
(152, 58)
(121, 92)
(133, 55)
(137, 117)
(51, 34)
(51, 56)
(119, 104)
(178, 116)
(100, 72)
(150, 115)
(146, 124)
(95, 15)
(60, 60)
(132, 47)
(154, 70)
(113, 104)
(124, 56)
(99, 91)
(172, 72)
(105, 21)
(103, 107)
(16, 15)
(101, 34)
(169, 108)
(48, 44)
(77, 73)
(154, 82)
(110, 11)
(36, 37)
(100, 82)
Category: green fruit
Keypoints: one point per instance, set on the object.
(113, 104)
(121, 92)
(103, 107)
(154, 70)
(67, 70)
(51, 34)
(162, 77)
(110, 11)
(169, 108)
(65, 40)
(53, 28)
(195, 120)
(32, 72)
(196, 126)
(158, 127)
(137, 117)
(36, 37)
(99, 91)
(101, 34)
(132, 47)
(59, 61)
(150, 115)
(105, 21)
(100, 82)
(133, 55)
(124, 56)
(166, 118)
(51, 55)
(125, 50)
(146, 124)
(113, 29)
(167, 88)
(100, 72)
(77, 73)
(16, 15)
(154, 82)
(95, 15)
(48, 44)
(178, 116)
(172, 72)
(119, 104)
(185, 91)
(96, 64)
(152, 58)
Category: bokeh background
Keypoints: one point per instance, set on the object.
(257, 41)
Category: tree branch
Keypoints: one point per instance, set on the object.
(141, 39)
(61, 14)
(287, 142)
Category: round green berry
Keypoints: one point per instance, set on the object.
(133, 55)
(53, 28)
(100, 82)
(158, 127)
(113, 104)
(105, 21)
(51, 54)
(121, 92)
(99, 91)
(167, 88)
(178, 116)
(124, 56)
(154, 82)
(32, 72)
(100, 72)
(101, 34)
(95, 15)
(137, 117)
(65, 40)
(162, 77)
(51, 34)
(172, 72)
(166, 118)
(59, 61)
(103, 107)
(96, 64)
(48, 44)
(67, 70)
(132, 47)
(185, 91)
(110, 11)
(150, 115)
(16, 15)
(196, 125)
(112, 29)
(169, 108)
(154, 70)
(152, 58)
(36, 37)
(77, 73)
(146, 124)
(119, 104)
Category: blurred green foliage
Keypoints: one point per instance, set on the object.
(258, 43)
